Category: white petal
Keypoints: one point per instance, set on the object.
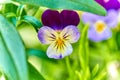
(53, 52)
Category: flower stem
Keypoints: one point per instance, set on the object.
(69, 67)
(84, 53)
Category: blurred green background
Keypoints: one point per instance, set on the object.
(89, 60)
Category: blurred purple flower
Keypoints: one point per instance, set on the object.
(100, 25)
(59, 31)
(109, 4)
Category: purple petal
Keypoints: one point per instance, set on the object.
(110, 4)
(46, 35)
(69, 17)
(53, 52)
(71, 34)
(112, 18)
(52, 19)
(95, 36)
(58, 21)
(90, 18)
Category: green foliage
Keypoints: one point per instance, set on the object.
(12, 52)
(118, 39)
(68, 4)
(95, 70)
(0, 74)
(84, 73)
(33, 21)
(39, 53)
(9, 8)
(34, 74)
(83, 47)
(6, 63)
(83, 55)
(19, 10)
(87, 62)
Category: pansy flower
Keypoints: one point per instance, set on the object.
(109, 4)
(100, 25)
(59, 31)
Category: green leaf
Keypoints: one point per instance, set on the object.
(6, 63)
(79, 75)
(11, 17)
(33, 21)
(35, 52)
(9, 11)
(14, 51)
(31, 10)
(101, 75)
(38, 53)
(83, 47)
(34, 74)
(9, 8)
(95, 70)
(83, 5)
(12, 9)
(118, 39)
(13, 12)
(0, 74)
(19, 10)
(10, 14)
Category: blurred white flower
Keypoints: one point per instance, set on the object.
(112, 68)
(5, 1)
(2, 78)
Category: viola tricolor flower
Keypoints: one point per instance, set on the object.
(109, 4)
(59, 31)
(100, 25)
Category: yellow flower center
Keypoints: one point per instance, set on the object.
(60, 43)
(100, 26)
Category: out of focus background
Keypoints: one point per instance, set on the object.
(23, 56)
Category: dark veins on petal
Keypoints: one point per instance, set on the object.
(58, 21)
